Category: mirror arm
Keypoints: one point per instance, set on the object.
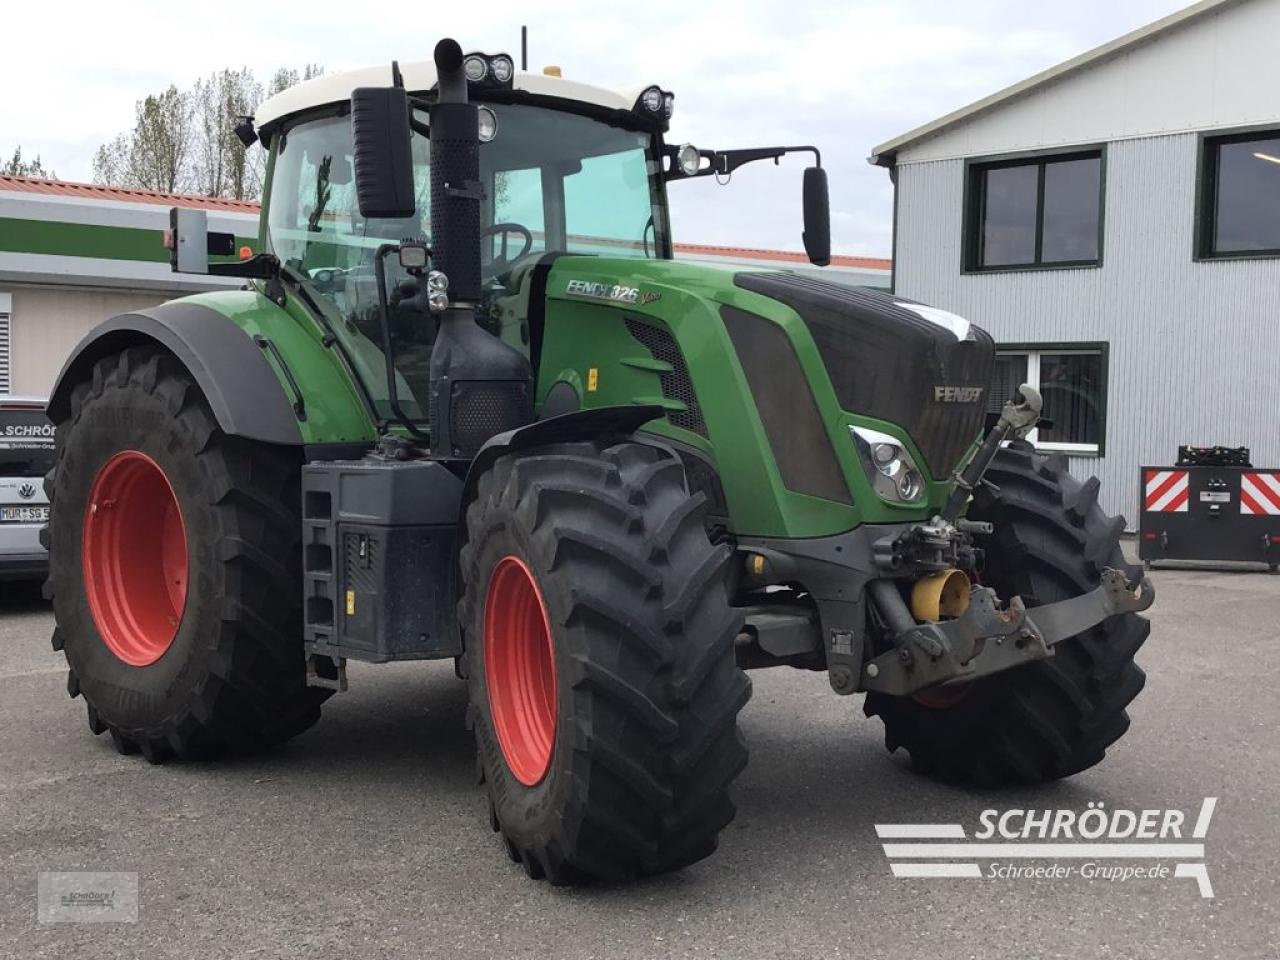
(724, 162)
(393, 397)
(261, 266)
(418, 105)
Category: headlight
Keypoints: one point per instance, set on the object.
(488, 124)
(475, 69)
(651, 99)
(502, 67)
(888, 465)
(437, 282)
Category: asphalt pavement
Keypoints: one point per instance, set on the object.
(366, 837)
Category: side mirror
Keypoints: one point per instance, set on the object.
(383, 154)
(817, 217)
(190, 244)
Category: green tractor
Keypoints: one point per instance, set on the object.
(466, 405)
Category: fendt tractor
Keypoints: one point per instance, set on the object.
(466, 405)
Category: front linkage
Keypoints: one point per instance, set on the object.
(984, 638)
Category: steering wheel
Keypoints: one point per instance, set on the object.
(503, 262)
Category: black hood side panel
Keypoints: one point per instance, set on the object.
(886, 361)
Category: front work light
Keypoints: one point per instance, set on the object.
(651, 100)
(475, 68)
(888, 465)
(688, 159)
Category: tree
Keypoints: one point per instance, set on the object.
(157, 153)
(184, 140)
(17, 167)
(287, 77)
(222, 165)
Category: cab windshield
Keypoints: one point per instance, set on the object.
(553, 182)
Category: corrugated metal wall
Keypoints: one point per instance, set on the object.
(1195, 347)
(46, 323)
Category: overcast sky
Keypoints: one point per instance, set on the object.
(842, 75)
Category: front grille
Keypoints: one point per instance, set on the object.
(676, 385)
(790, 416)
(885, 361)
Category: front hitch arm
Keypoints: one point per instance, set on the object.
(986, 639)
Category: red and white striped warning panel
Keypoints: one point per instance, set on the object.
(1260, 493)
(1167, 491)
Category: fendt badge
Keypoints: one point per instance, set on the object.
(614, 293)
(603, 291)
(957, 394)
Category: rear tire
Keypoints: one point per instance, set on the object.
(624, 740)
(1051, 718)
(228, 671)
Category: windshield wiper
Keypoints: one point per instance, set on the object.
(323, 193)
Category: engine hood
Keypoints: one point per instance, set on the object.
(890, 358)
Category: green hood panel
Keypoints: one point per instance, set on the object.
(335, 412)
(589, 344)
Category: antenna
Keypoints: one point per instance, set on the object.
(524, 49)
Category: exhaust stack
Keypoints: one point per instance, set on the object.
(480, 386)
(455, 178)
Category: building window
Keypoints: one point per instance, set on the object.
(1072, 379)
(1239, 208)
(1034, 213)
(6, 307)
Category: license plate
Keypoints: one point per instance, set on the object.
(24, 514)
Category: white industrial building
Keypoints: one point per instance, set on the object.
(1115, 223)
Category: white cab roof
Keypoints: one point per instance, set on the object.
(420, 77)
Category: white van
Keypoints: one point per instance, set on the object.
(26, 455)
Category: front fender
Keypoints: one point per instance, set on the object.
(591, 424)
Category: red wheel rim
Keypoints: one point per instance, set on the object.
(942, 697)
(134, 552)
(520, 670)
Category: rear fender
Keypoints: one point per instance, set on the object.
(237, 380)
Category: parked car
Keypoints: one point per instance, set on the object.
(26, 454)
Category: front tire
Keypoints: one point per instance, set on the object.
(174, 568)
(604, 693)
(1051, 718)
